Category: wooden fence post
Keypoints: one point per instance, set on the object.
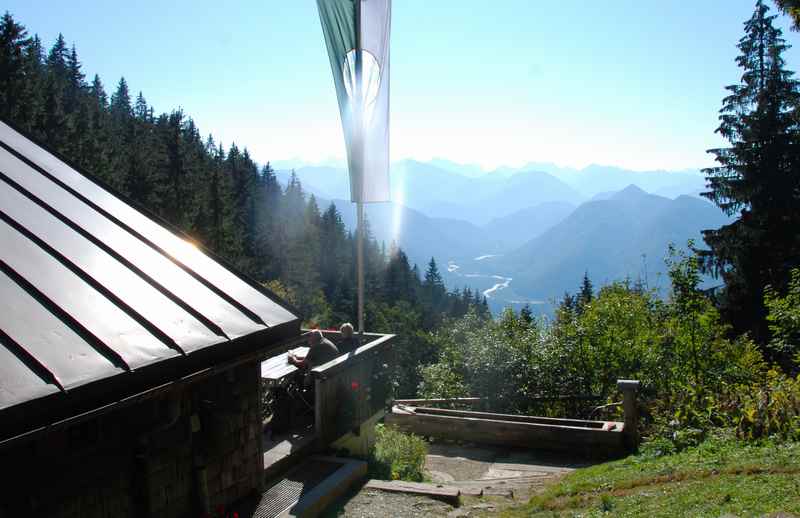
(629, 389)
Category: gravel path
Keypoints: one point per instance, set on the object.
(369, 503)
(504, 477)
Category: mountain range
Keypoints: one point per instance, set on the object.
(448, 190)
(625, 235)
(528, 235)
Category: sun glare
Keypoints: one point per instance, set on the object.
(398, 199)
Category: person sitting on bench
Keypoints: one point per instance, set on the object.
(349, 342)
(321, 350)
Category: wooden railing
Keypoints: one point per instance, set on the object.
(352, 388)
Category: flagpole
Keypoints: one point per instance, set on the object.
(360, 183)
(360, 269)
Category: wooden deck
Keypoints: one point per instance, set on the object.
(349, 391)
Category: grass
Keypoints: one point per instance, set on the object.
(721, 475)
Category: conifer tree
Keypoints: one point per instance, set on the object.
(57, 58)
(31, 103)
(526, 314)
(121, 102)
(76, 83)
(585, 295)
(758, 178)
(98, 92)
(13, 42)
(433, 284)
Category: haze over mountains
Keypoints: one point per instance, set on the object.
(534, 230)
(623, 236)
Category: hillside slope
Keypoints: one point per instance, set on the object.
(622, 236)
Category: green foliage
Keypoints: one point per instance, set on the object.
(769, 409)
(784, 316)
(439, 380)
(412, 347)
(485, 358)
(692, 374)
(792, 8)
(397, 455)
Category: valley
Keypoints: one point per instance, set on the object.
(526, 236)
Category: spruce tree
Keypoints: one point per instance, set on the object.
(76, 83)
(121, 102)
(98, 92)
(758, 178)
(31, 103)
(526, 315)
(434, 295)
(587, 290)
(57, 58)
(13, 42)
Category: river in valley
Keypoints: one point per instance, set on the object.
(476, 274)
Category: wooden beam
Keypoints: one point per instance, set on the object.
(449, 494)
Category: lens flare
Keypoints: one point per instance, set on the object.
(398, 200)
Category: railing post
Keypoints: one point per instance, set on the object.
(319, 411)
(630, 389)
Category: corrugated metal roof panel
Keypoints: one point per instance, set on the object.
(101, 317)
(215, 274)
(92, 289)
(20, 383)
(94, 225)
(49, 339)
(180, 327)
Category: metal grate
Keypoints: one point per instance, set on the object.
(299, 481)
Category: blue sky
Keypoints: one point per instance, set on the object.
(633, 83)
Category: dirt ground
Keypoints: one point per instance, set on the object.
(490, 478)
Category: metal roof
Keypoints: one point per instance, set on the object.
(93, 289)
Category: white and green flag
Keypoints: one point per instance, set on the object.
(357, 37)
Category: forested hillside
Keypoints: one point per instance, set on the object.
(218, 195)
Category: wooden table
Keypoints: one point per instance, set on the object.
(277, 370)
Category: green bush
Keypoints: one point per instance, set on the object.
(397, 455)
(784, 319)
(771, 409)
(694, 376)
(440, 380)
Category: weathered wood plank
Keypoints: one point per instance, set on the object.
(527, 435)
(277, 368)
(448, 493)
(510, 417)
(435, 401)
(349, 391)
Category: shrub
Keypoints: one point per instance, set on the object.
(397, 455)
(784, 318)
(771, 409)
(439, 380)
(694, 376)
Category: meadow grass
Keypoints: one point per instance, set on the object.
(720, 476)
